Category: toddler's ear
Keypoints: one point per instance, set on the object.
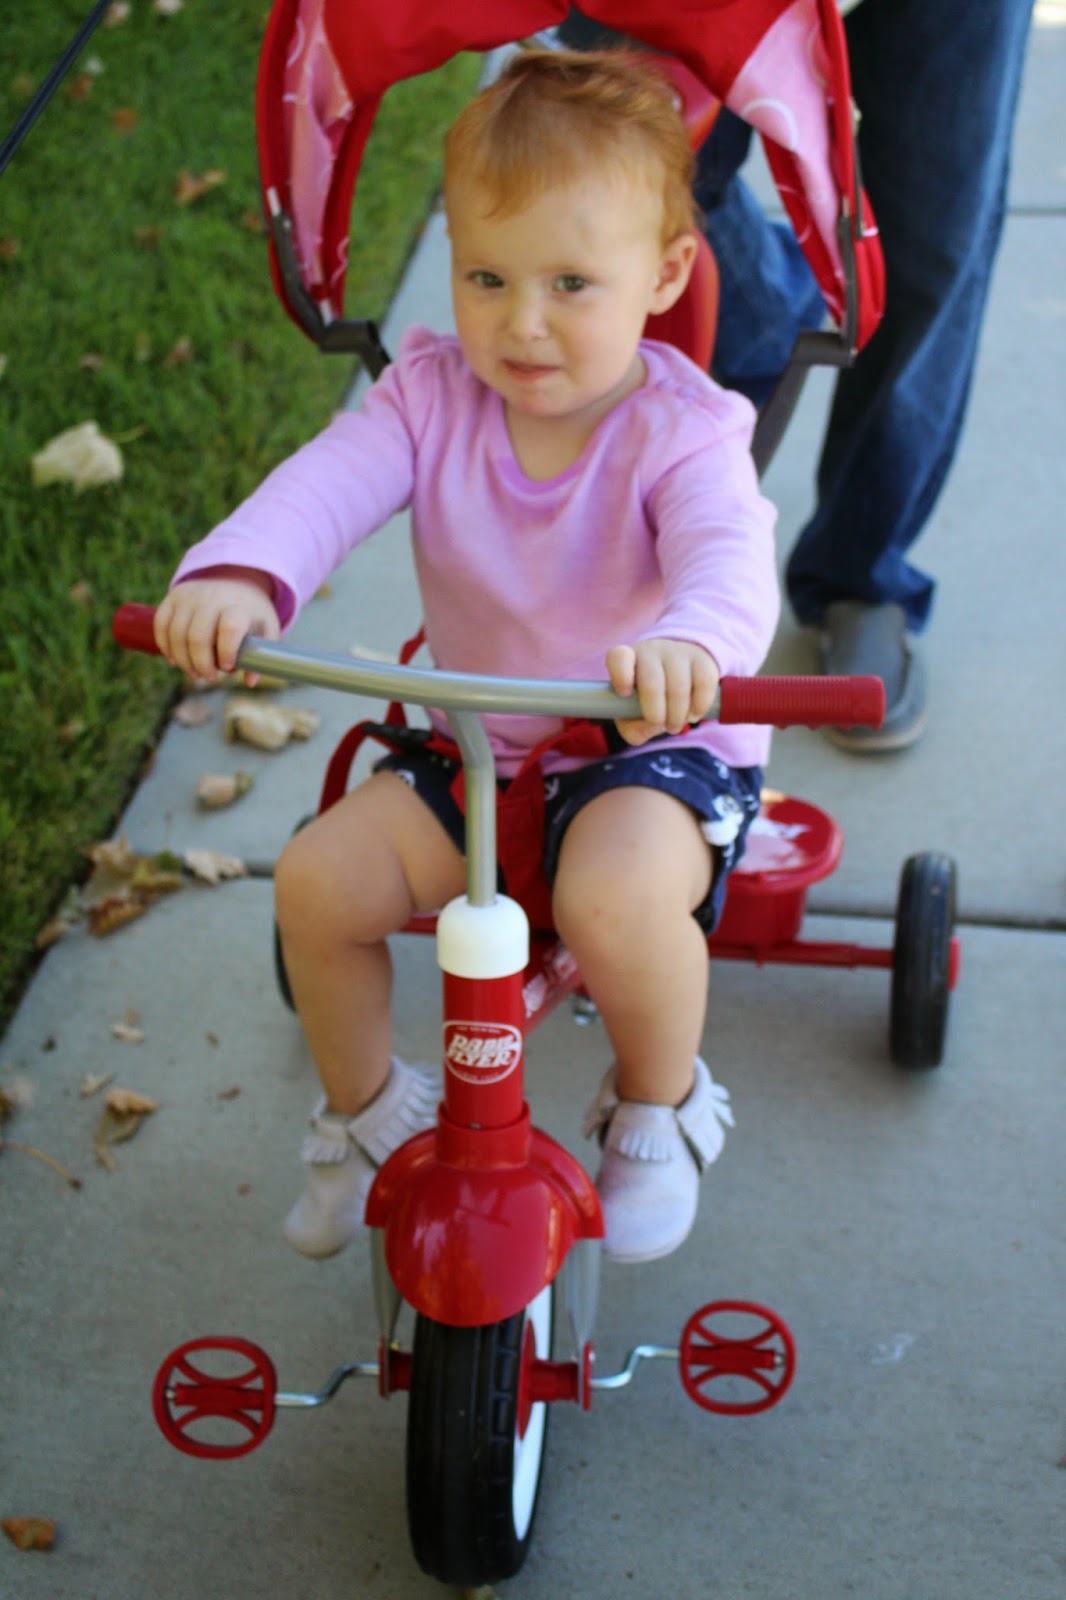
(675, 269)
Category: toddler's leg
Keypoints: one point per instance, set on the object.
(632, 869)
(343, 884)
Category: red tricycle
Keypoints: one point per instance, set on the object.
(475, 1223)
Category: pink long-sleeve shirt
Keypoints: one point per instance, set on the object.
(658, 530)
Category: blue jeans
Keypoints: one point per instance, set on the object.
(937, 83)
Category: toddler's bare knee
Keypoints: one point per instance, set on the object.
(302, 898)
(330, 892)
(590, 907)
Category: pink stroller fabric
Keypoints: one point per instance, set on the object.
(781, 65)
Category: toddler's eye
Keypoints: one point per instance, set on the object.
(570, 282)
(485, 280)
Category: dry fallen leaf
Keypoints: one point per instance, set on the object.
(193, 711)
(119, 11)
(116, 854)
(124, 1111)
(255, 722)
(30, 1533)
(124, 119)
(302, 723)
(128, 1032)
(114, 863)
(124, 884)
(218, 789)
(156, 875)
(68, 916)
(114, 912)
(129, 1102)
(180, 354)
(210, 866)
(15, 1095)
(93, 1082)
(167, 8)
(266, 726)
(82, 456)
(190, 186)
(257, 681)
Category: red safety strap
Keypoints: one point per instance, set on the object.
(520, 816)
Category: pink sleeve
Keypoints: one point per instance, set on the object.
(313, 509)
(715, 547)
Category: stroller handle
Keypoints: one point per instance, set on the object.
(780, 701)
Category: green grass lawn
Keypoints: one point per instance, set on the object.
(158, 321)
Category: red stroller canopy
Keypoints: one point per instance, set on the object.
(781, 65)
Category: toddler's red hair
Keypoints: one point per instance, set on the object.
(554, 114)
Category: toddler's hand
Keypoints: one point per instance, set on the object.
(676, 683)
(201, 624)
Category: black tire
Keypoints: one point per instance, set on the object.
(281, 977)
(472, 1484)
(921, 960)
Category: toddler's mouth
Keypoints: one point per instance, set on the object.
(528, 370)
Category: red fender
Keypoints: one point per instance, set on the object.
(478, 1221)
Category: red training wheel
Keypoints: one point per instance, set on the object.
(734, 1344)
(240, 1391)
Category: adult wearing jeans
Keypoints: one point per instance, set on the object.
(936, 82)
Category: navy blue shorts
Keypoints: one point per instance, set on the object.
(725, 799)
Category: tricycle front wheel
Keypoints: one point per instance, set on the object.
(474, 1449)
(921, 960)
(281, 976)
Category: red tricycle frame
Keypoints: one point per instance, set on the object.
(474, 1223)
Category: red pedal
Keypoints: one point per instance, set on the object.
(241, 1392)
(731, 1348)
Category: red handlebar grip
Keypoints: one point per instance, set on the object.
(803, 702)
(131, 627)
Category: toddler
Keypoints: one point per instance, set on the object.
(580, 498)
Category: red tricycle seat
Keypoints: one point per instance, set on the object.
(790, 845)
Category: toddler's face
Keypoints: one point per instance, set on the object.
(550, 303)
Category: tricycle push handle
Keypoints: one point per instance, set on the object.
(808, 702)
(783, 702)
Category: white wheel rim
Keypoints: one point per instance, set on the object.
(529, 1449)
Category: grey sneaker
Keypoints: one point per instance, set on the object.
(652, 1162)
(344, 1153)
(860, 639)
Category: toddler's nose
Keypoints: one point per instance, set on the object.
(525, 315)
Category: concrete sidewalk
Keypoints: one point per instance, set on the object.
(910, 1228)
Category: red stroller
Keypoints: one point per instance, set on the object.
(480, 1374)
